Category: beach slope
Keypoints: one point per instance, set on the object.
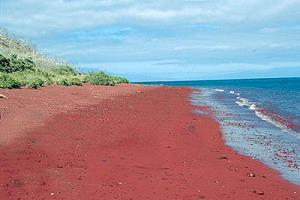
(132, 142)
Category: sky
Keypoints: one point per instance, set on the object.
(147, 40)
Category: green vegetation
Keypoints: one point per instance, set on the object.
(16, 73)
(22, 66)
(13, 64)
(7, 81)
(100, 78)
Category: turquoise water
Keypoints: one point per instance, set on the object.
(259, 117)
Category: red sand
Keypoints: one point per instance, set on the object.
(124, 142)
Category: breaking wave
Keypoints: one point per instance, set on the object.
(270, 116)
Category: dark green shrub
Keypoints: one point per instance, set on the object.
(20, 64)
(6, 81)
(35, 83)
(118, 80)
(100, 78)
(64, 70)
(75, 81)
(63, 81)
(13, 64)
(4, 64)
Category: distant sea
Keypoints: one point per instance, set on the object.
(259, 117)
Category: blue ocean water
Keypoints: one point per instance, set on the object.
(259, 117)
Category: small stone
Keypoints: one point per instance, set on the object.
(120, 183)
(223, 158)
(254, 191)
(251, 175)
(261, 193)
(264, 176)
(201, 196)
(192, 127)
(2, 96)
(52, 194)
(217, 181)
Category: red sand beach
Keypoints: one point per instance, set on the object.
(127, 142)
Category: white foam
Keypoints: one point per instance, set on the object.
(243, 102)
(220, 90)
(269, 119)
(233, 92)
(253, 107)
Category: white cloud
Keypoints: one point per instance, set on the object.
(209, 47)
(36, 16)
(202, 35)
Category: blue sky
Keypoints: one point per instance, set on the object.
(164, 39)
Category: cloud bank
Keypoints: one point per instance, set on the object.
(195, 33)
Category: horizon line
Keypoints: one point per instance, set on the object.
(214, 79)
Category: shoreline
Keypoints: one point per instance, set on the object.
(122, 142)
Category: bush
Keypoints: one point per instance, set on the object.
(63, 81)
(17, 73)
(75, 81)
(13, 64)
(65, 70)
(118, 80)
(4, 64)
(100, 78)
(7, 81)
(35, 83)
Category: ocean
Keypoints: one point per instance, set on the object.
(259, 117)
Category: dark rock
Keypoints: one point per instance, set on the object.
(17, 182)
(261, 193)
(192, 127)
(223, 158)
